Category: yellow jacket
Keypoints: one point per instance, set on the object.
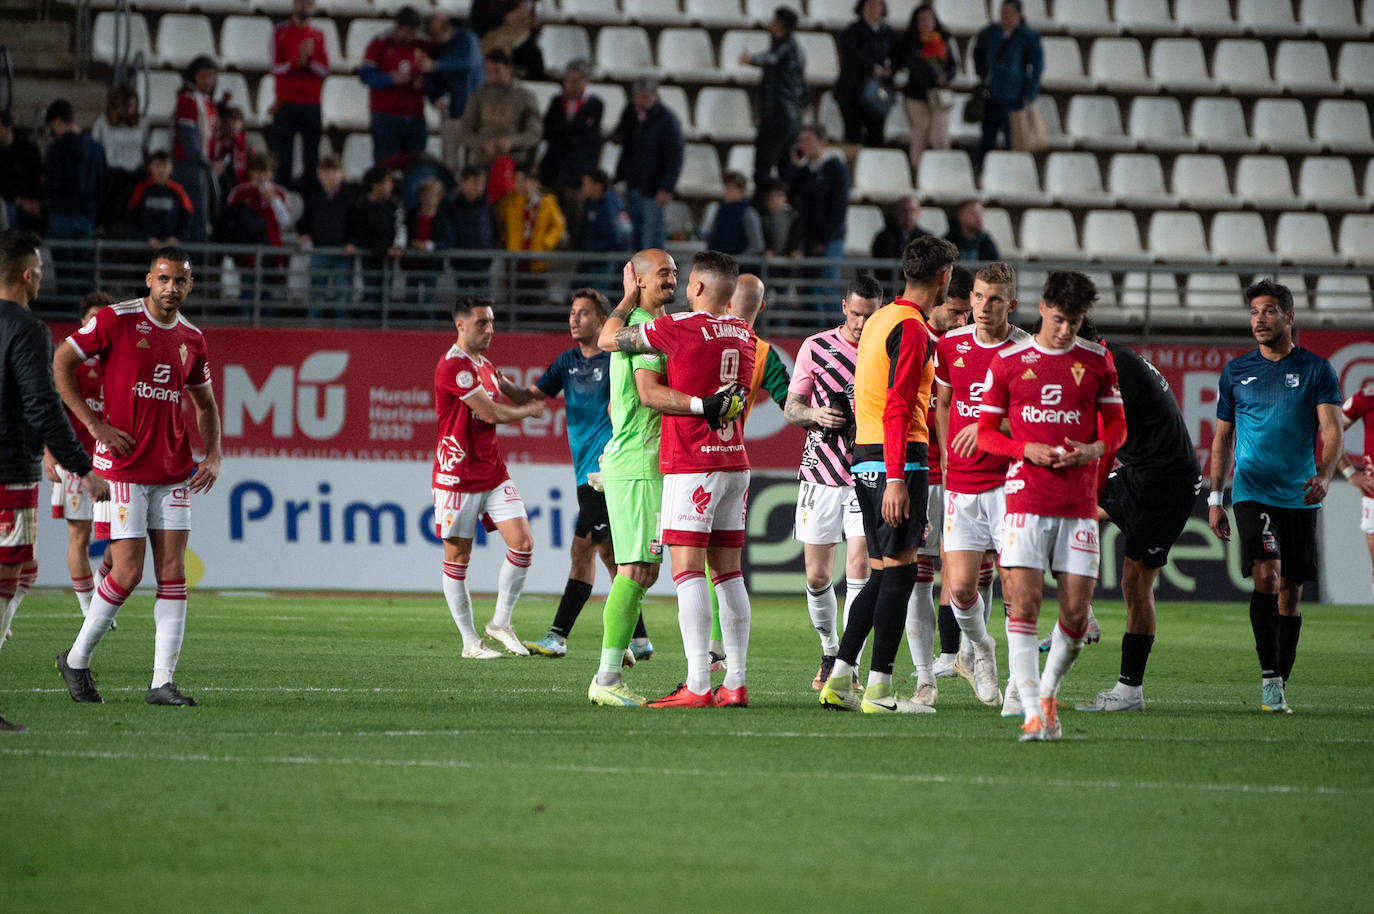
(525, 228)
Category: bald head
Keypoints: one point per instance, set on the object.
(747, 301)
(656, 274)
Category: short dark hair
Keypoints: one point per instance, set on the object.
(95, 300)
(59, 110)
(159, 155)
(374, 176)
(463, 305)
(865, 285)
(409, 17)
(201, 62)
(925, 256)
(1069, 291)
(960, 282)
(1014, 4)
(258, 161)
(496, 55)
(735, 179)
(859, 7)
(16, 247)
(597, 298)
(1271, 286)
(714, 262)
(816, 128)
(329, 163)
(472, 171)
(172, 253)
(788, 17)
(599, 176)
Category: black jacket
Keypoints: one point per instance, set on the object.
(574, 145)
(821, 195)
(31, 413)
(782, 86)
(861, 49)
(651, 150)
(325, 218)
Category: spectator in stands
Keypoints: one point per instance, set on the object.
(470, 216)
(394, 69)
(734, 227)
(21, 176)
(818, 182)
(781, 97)
(572, 134)
(123, 133)
(605, 226)
(779, 221)
(231, 146)
(931, 59)
(73, 188)
(377, 231)
(428, 230)
(459, 71)
(300, 62)
(511, 26)
(1009, 60)
(160, 211)
(324, 224)
(255, 213)
(865, 55)
(651, 151)
(193, 140)
(528, 219)
(901, 226)
(502, 119)
(974, 243)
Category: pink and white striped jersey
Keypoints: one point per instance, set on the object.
(825, 372)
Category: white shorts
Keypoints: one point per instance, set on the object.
(827, 515)
(704, 509)
(456, 513)
(935, 505)
(69, 499)
(973, 523)
(18, 522)
(1062, 544)
(1367, 518)
(135, 508)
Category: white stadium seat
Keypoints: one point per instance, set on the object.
(1239, 237)
(946, 175)
(1073, 179)
(713, 13)
(1084, 17)
(1112, 235)
(1328, 182)
(1330, 18)
(357, 155)
(1342, 125)
(103, 47)
(158, 90)
(1344, 293)
(333, 47)
(675, 100)
(1213, 290)
(935, 220)
(1305, 238)
(822, 57)
(1355, 66)
(997, 223)
(1303, 66)
(1295, 283)
(1048, 234)
(653, 12)
(1280, 125)
(881, 175)
(1265, 17)
(610, 157)
(724, 115)
(1356, 239)
(760, 12)
(622, 52)
(1200, 180)
(1179, 65)
(828, 113)
(590, 11)
(740, 158)
(700, 172)
(544, 91)
(563, 43)
(1157, 122)
(1064, 66)
(686, 55)
(266, 98)
(181, 37)
(1242, 66)
(343, 103)
(1136, 179)
(1118, 65)
(1011, 178)
(1177, 237)
(1206, 17)
(1096, 120)
(1264, 180)
(245, 42)
(956, 15)
(1157, 290)
(360, 35)
(235, 87)
(613, 101)
(1145, 17)
(732, 43)
(836, 14)
(861, 224)
(1219, 123)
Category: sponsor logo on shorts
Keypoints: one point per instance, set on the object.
(701, 500)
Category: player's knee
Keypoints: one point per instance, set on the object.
(521, 543)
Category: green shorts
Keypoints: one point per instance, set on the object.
(633, 506)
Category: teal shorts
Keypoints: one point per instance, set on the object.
(633, 506)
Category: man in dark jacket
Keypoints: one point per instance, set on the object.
(376, 231)
(73, 188)
(651, 150)
(572, 132)
(1009, 59)
(866, 47)
(470, 215)
(21, 176)
(818, 184)
(31, 417)
(974, 243)
(782, 95)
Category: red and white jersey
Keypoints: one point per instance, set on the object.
(961, 364)
(90, 384)
(1361, 406)
(466, 459)
(824, 373)
(704, 353)
(195, 110)
(935, 455)
(146, 366)
(1049, 396)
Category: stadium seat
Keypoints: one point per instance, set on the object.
(653, 12)
(1343, 293)
(1178, 65)
(1136, 179)
(1106, 289)
(760, 12)
(1157, 123)
(713, 13)
(622, 52)
(1265, 17)
(1356, 239)
(1064, 66)
(1239, 238)
(103, 37)
(1145, 17)
(969, 133)
(1177, 237)
(832, 14)
(1158, 291)
(1118, 65)
(613, 100)
(1011, 178)
(266, 97)
(235, 87)
(359, 36)
(674, 98)
(1073, 179)
(245, 42)
(1206, 17)
(732, 43)
(881, 175)
(343, 103)
(158, 90)
(357, 155)
(1048, 234)
(1200, 181)
(1264, 181)
(1303, 67)
(822, 57)
(724, 115)
(597, 12)
(686, 55)
(1030, 282)
(958, 16)
(333, 47)
(610, 158)
(1049, 109)
(1242, 66)
(997, 223)
(1280, 125)
(1084, 17)
(1095, 120)
(700, 172)
(1342, 125)
(1305, 238)
(935, 219)
(1112, 235)
(945, 176)
(1328, 182)
(1295, 283)
(1213, 290)
(544, 91)
(1355, 66)
(861, 224)
(740, 158)
(563, 43)
(828, 113)
(181, 37)
(1330, 18)
(1219, 124)
(897, 126)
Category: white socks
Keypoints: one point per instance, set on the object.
(1023, 662)
(169, 613)
(852, 586)
(972, 619)
(694, 619)
(84, 588)
(734, 625)
(109, 597)
(459, 603)
(823, 609)
(1064, 650)
(920, 628)
(509, 585)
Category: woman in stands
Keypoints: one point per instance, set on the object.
(865, 56)
(927, 52)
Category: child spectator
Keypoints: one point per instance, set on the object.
(470, 216)
(779, 222)
(193, 139)
(605, 224)
(255, 213)
(160, 210)
(529, 220)
(735, 228)
(428, 229)
(124, 135)
(376, 230)
(231, 145)
(324, 224)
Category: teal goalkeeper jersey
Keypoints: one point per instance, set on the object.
(632, 452)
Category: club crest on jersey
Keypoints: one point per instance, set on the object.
(1028, 375)
(701, 500)
(142, 344)
(143, 327)
(1077, 370)
(123, 516)
(183, 352)
(464, 379)
(1290, 380)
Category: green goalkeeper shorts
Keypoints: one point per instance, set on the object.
(633, 506)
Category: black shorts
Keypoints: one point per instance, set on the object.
(1286, 534)
(1151, 507)
(884, 540)
(592, 520)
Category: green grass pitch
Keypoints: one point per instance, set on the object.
(344, 759)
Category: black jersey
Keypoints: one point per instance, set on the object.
(1156, 434)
